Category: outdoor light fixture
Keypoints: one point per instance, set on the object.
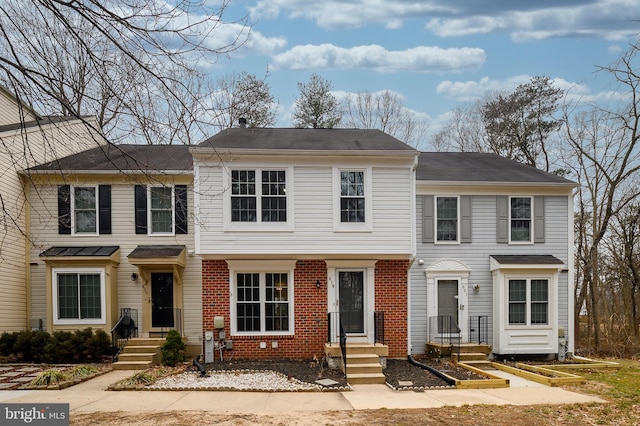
(317, 283)
(134, 276)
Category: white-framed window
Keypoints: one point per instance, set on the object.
(78, 296)
(161, 209)
(528, 300)
(447, 219)
(353, 199)
(259, 196)
(520, 219)
(261, 298)
(84, 210)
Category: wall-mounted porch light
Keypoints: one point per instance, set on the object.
(317, 283)
(134, 276)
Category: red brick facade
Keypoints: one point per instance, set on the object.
(310, 310)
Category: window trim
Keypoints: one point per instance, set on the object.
(436, 219)
(173, 211)
(261, 267)
(229, 225)
(72, 206)
(54, 294)
(367, 225)
(528, 302)
(531, 219)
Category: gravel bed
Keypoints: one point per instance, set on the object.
(234, 380)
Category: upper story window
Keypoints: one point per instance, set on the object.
(352, 197)
(161, 210)
(447, 219)
(520, 219)
(263, 191)
(84, 209)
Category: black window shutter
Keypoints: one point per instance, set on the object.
(141, 209)
(181, 209)
(64, 209)
(104, 208)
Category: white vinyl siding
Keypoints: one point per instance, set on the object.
(311, 225)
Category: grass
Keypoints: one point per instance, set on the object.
(622, 386)
(49, 377)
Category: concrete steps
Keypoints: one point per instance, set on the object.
(364, 369)
(139, 354)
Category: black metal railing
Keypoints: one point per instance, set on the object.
(126, 328)
(443, 329)
(378, 327)
(334, 324)
(165, 320)
(479, 329)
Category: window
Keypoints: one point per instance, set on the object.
(261, 297)
(268, 196)
(161, 210)
(447, 219)
(85, 210)
(528, 301)
(520, 219)
(352, 200)
(78, 296)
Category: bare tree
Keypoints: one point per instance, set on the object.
(519, 124)
(316, 106)
(384, 111)
(133, 64)
(463, 132)
(244, 96)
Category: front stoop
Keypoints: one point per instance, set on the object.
(139, 354)
(363, 362)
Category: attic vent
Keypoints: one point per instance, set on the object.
(242, 122)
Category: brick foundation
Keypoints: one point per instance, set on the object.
(310, 310)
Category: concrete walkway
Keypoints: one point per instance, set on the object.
(91, 396)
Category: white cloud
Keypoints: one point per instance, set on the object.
(375, 57)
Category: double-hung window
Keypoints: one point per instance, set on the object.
(528, 301)
(161, 215)
(79, 296)
(352, 196)
(447, 219)
(520, 222)
(84, 201)
(259, 196)
(263, 303)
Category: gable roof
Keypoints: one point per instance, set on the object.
(306, 141)
(113, 158)
(480, 167)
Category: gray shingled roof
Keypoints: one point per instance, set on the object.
(124, 158)
(480, 167)
(305, 140)
(532, 259)
(157, 251)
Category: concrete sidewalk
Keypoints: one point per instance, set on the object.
(91, 396)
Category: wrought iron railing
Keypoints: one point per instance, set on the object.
(378, 327)
(479, 329)
(334, 324)
(171, 319)
(126, 328)
(443, 329)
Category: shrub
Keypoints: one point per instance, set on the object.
(173, 350)
(39, 341)
(97, 346)
(22, 346)
(60, 348)
(49, 377)
(7, 342)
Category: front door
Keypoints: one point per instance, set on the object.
(162, 300)
(448, 321)
(351, 301)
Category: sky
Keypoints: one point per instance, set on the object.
(434, 54)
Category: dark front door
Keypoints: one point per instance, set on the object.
(161, 299)
(448, 306)
(351, 294)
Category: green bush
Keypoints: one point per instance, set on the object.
(173, 350)
(60, 348)
(7, 342)
(39, 341)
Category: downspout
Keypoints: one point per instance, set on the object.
(447, 379)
